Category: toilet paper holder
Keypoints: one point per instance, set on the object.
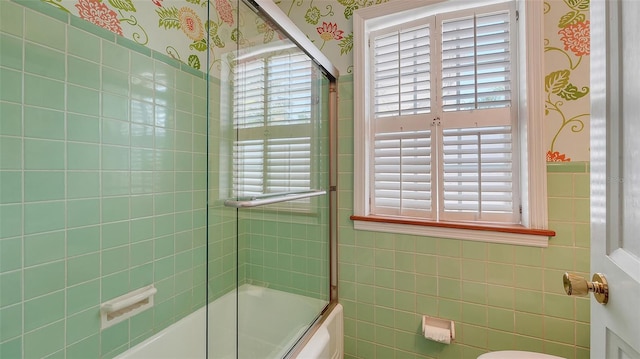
(438, 330)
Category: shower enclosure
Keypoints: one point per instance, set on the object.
(137, 191)
(275, 181)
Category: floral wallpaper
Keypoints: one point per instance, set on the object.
(181, 29)
(178, 28)
(328, 24)
(567, 102)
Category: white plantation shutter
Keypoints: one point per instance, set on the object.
(402, 173)
(402, 72)
(478, 181)
(273, 109)
(476, 61)
(443, 124)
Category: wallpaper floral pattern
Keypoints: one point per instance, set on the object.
(178, 28)
(567, 104)
(181, 29)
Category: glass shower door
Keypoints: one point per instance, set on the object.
(280, 184)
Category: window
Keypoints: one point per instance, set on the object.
(273, 108)
(445, 151)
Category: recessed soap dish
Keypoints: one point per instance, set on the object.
(125, 306)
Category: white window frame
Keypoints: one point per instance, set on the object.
(533, 229)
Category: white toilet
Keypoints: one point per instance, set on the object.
(514, 354)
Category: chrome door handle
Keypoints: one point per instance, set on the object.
(577, 285)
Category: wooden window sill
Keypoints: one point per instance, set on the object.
(494, 233)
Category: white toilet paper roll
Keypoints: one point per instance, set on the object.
(436, 334)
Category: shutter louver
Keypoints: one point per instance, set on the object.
(478, 171)
(273, 108)
(402, 73)
(476, 62)
(402, 173)
(288, 164)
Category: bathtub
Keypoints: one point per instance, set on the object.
(269, 322)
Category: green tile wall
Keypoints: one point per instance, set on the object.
(102, 186)
(501, 297)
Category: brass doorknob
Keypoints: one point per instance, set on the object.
(577, 285)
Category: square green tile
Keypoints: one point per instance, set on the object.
(10, 322)
(141, 229)
(83, 73)
(474, 292)
(115, 56)
(44, 61)
(11, 89)
(44, 341)
(115, 158)
(142, 136)
(141, 276)
(141, 253)
(114, 260)
(115, 234)
(559, 330)
(10, 187)
(528, 277)
(114, 286)
(83, 240)
(83, 128)
(528, 256)
(559, 257)
(11, 348)
(500, 319)
(184, 221)
(560, 209)
(82, 325)
(11, 283)
(500, 274)
(83, 100)
(43, 248)
(141, 206)
(560, 184)
(529, 324)
(83, 44)
(43, 92)
(115, 183)
(45, 30)
(43, 279)
(11, 49)
(43, 216)
(83, 184)
(559, 306)
(11, 18)
(163, 268)
(115, 81)
(44, 155)
(474, 314)
(43, 123)
(115, 209)
(10, 221)
(116, 107)
(163, 181)
(83, 212)
(44, 185)
(11, 114)
(83, 296)
(142, 89)
(142, 112)
(44, 310)
(500, 296)
(83, 268)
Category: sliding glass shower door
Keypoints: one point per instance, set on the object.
(274, 180)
